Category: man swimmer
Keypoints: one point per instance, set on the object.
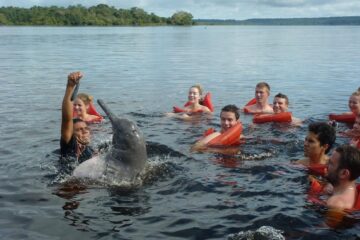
(229, 116)
(318, 142)
(281, 104)
(75, 134)
(262, 93)
(343, 170)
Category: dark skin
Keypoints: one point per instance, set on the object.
(80, 129)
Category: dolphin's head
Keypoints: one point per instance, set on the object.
(126, 134)
(129, 145)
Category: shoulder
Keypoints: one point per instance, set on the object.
(304, 161)
(336, 202)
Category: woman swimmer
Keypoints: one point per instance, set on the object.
(82, 105)
(195, 104)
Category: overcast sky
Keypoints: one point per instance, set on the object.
(219, 9)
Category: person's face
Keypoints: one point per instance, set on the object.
(79, 106)
(280, 105)
(333, 169)
(356, 127)
(82, 132)
(354, 104)
(194, 95)
(312, 145)
(227, 120)
(261, 94)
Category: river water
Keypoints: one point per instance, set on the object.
(141, 72)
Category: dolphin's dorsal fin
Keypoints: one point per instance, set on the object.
(107, 111)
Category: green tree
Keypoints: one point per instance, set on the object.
(182, 18)
(3, 19)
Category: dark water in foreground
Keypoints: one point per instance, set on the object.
(141, 73)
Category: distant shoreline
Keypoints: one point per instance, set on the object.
(330, 21)
(104, 15)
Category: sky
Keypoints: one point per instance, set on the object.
(218, 9)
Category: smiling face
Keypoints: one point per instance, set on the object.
(79, 106)
(280, 105)
(227, 120)
(354, 104)
(82, 132)
(194, 95)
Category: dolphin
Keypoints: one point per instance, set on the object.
(127, 156)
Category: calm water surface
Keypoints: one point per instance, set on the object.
(141, 73)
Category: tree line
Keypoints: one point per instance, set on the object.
(100, 15)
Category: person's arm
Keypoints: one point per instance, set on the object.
(67, 107)
(201, 144)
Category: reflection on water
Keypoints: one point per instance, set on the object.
(141, 73)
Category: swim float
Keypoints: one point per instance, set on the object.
(251, 102)
(344, 117)
(206, 102)
(229, 138)
(276, 117)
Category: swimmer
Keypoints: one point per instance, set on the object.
(82, 105)
(194, 104)
(229, 117)
(262, 93)
(75, 134)
(343, 170)
(281, 104)
(354, 103)
(318, 142)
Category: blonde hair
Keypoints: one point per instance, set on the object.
(198, 86)
(86, 98)
(357, 93)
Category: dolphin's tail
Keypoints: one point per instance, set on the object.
(107, 111)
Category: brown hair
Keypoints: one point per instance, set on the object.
(263, 85)
(198, 86)
(280, 95)
(86, 98)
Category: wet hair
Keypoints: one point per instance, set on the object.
(280, 95)
(86, 98)
(76, 120)
(263, 85)
(356, 93)
(198, 86)
(325, 133)
(231, 108)
(349, 159)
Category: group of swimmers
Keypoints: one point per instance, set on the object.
(340, 170)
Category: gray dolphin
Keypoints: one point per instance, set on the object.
(127, 156)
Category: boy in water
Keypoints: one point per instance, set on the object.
(262, 93)
(75, 134)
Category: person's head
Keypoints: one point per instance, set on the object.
(81, 131)
(281, 103)
(195, 93)
(229, 116)
(262, 92)
(82, 103)
(344, 165)
(354, 103)
(356, 126)
(319, 140)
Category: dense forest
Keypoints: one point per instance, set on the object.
(283, 21)
(100, 15)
